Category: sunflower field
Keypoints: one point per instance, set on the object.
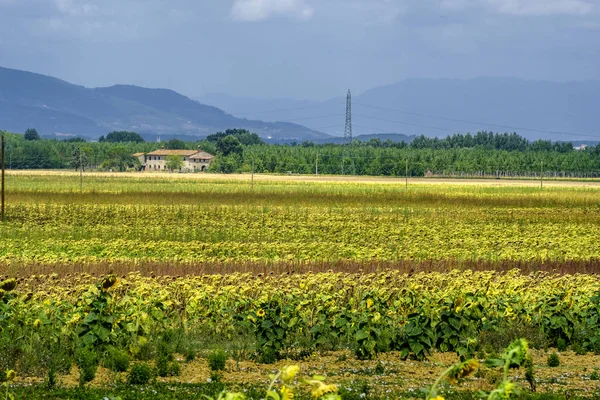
(174, 275)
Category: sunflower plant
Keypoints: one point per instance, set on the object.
(98, 319)
(10, 377)
(516, 355)
(283, 386)
(271, 326)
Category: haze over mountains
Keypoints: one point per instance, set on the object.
(54, 106)
(434, 107)
(438, 107)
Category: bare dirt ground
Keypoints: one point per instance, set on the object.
(320, 178)
(396, 376)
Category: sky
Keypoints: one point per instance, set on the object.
(304, 49)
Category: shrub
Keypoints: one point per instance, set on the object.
(116, 360)
(530, 374)
(217, 360)
(162, 365)
(165, 365)
(87, 362)
(561, 344)
(553, 360)
(215, 376)
(267, 356)
(145, 352)
(51, 377)
(174, 369)
(140, 374)
(190, 354)
(579, 349)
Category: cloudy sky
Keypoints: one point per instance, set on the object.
(313, 49)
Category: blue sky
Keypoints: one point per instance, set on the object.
(313, 49)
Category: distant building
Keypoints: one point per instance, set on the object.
(193, 160)
(581, 147)
(141, 157)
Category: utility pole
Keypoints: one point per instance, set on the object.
(80, 171)
(348, 127)
(317, 164)
(542, 174)
(406, 174)
(3, 215)
(253, 172)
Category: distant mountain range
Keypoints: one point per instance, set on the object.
(440, 107)
(56, 107)
(433, 107)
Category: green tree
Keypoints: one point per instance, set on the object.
(174, 163)
(122, 136)
(229, 145)
(80, 157)
(32, 134)
(119, 158)
(245, 137)
(175, 144)
(75, 140)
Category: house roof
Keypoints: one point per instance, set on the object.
(163, 152)
(138, 154)
(202, 155)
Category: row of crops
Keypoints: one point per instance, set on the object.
(51, 233)
(193, 221)
(377, 313)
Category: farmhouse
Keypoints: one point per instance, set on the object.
(193, 160)
(141, 157)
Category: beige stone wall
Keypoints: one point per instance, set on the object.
(158, 163)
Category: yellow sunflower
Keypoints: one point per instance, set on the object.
(288, 373)
(286, 393)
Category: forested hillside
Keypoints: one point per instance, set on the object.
(57, 107)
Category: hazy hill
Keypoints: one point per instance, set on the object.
(438, 107)
(54, 106)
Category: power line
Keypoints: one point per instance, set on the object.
(404, 123)
(382, 131)
(280, 109)
(315, 117)
(477, 123)
(330, 126)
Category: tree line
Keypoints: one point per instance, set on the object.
(237, 150)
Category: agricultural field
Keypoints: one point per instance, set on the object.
(212, 284)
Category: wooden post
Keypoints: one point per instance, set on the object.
(2, 211)
(80, 171)
(317, 164)
(253, 172)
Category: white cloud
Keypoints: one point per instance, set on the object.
(258, 10)
(67, 7)
(542, 7)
